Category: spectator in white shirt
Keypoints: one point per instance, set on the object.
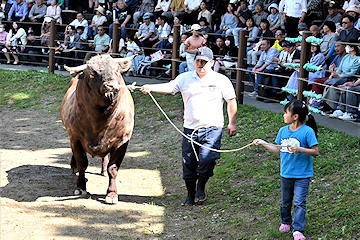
(98, 20)
(294, 12)
(162, 32)
(80, 21)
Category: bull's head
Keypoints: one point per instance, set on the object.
(103, 74)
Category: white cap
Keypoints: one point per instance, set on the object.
(195, 27)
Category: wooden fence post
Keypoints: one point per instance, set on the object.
(241, 63)
(175, 52)
(52, 46)
(304, 58)
(116, 38)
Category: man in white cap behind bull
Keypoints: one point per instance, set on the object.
(203, 92)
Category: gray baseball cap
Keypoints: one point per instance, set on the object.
(204, 53)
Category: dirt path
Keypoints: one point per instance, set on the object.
(36, 190)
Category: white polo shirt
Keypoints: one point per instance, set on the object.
(203, 98)
(192, 4)
(293, 8)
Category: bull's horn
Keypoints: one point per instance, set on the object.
(121, 60)
(76, 69)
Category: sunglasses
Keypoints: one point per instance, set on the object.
(277, 34)
(345, 22)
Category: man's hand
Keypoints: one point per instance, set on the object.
(231, 130)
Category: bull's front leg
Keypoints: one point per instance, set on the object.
(104, 166)
(114, 164)
(81, 160)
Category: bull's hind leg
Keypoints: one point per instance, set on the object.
(81, 160)
(115, 161)
(104, 166)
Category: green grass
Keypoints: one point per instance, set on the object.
(244, 194)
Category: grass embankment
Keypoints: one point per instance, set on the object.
(244, 194)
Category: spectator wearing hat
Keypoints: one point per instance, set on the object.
(294, 12)
(354, 11)
(163, 31)
(123, 16)
(204, 13)
(243, 14)
(203, 92)
(192, 44)
(302, 27)
(146, 7)
(205, 30)
(98, 20)
(348, 3)
(146, 32)
(333, 15)
(18, 11)
(275, 18)
(45, 32)
(259, 13)
(54, 11)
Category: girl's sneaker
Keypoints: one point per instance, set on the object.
(298, 236)
(284, 228)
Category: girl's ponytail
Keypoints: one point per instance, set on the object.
(312, 123)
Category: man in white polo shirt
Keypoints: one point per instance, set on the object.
(203, 92)
(294, 12)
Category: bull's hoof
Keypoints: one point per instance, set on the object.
(80, 192)
(111, 200)
(105, 174)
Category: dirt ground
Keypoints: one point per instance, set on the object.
(36, 188)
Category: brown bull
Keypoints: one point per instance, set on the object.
(98, 113)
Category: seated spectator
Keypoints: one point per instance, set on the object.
(329, 38)
(253, 33)
(264, 65)
(220, 49)
(146, 7)
(37, 14)
(133, 46)
(178, 22)
(333, 15)
(192, 44)
(18, 11)
(163, 8)
(161, 38)
(317, 59)
(71, 43)
(252, 55)
(348, 3)
(348, 102)
(243, 14)
(229, 22)
(182, 54)
(101, 43)
(354, 11)
(225, 61)
(204, 13)
(98, 20)
(177, 8)
(123, 17)
(132, 4)
(4, 10)
(315, 32)
(45, 32)
(259, 13)
(54, 11)
(83, 42)
(30, 3)
(205, 29)
(267, 3)
(15, 42)
(275, 18)
(32, 49)
(3, 36)
(191, 8)
(333, 67)
(146, 32)
(279, 38)
(61, 4)
(80, 21)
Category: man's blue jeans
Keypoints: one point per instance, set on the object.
(294, 189)
(260, 80)
(123, 31)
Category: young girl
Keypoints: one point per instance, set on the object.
(296, 166)
(133, 47)
(192, 44)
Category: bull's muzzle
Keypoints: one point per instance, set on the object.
(111, 88)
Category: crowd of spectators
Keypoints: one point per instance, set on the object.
(147, 26)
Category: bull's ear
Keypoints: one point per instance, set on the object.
(125, 63)
(76, 69)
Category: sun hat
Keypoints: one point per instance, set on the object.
(204, 53)
(101, 10)
(196, 27)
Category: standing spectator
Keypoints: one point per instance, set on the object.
(202, 107)
(33, 47)
(177, 8)
(98, 20)
(294, 12)
(15, 40)
(37, 14)
(229, 22)
(18, 11)
(333, 15)
(259, 13)
(191, 10)
(162, 33)
(54, 11)
(72, 42)
(147, 7)
(204, 13)
(264, 65)
(4, 9)
(3, 36)
(192, 44)
(123, 17)
(80, 21)
(275, 18)
(163, 8)
(146, 32)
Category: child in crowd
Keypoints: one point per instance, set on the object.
(133, 47)
(296, 167)
(192, 44)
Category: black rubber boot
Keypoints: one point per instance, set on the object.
(191, 193)
(200, 192)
